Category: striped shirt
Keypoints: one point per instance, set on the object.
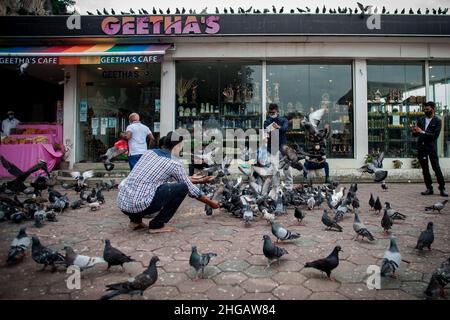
(154, 168)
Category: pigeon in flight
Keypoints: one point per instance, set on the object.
(82, 178)
(327, 264)
(136, 285)
(311, 123)
(17, 185)
(19, 247)
(361, 229)
(271, 251)
(391, 259)
(437, 206)
(375, 168)
(330, 224)
(200, 261)
(439, 279)
(81, 261)
(113, 256)
(283, 234)
(426, 238)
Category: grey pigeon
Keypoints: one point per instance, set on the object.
(386, 222)
(200, 261)
(44, 255)
(39, 217)
(391, 259)
(439, 279)
(361, 229)
(136, 285)
(19, 247)
(437, 206)
(327, 264)
(330, 224)
(77, 204)
(426, 238)
(81, 261)
(283, 234)
(394, 214)
(113, 256)
(375, 168)
(384, 186)
(271, 251)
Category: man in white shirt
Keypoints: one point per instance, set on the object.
(139, 137)
(9, 123)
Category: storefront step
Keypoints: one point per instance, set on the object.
(99, 166)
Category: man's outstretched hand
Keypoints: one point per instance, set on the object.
(199, 178)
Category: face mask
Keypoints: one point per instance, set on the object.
(428, 113)
(274, 116)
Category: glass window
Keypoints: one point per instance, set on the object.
(395, 93)
(300, 88)
(440, 94)
(107, 95)
(218, 94)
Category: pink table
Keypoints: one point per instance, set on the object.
(57, 127)
(25, 156)
(51, 137)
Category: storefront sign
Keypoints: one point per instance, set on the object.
(29, 60)
(112, 123)
(158, 25)
(130, 59)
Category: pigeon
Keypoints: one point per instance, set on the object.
(403, 11)
(272, 252)
(39, 217)
(311, 123)
(268, 216)
(112, 11)
(82, 178)
(77, 204)
(377, 206)
(99, 12)
(208, 210)
(437, 206)
(372, 202)
(200, 261)
(283, 234)
(362, 8)
(361, 229)
(394, 214)
(17, 185)
(386, 222)
(105, 12)
(311, 203)
(44, 255)
(330, 224)
(100, 196)
(391, 259)
(89, 13)
(51, 216)
(439, 279)
(132, 11)
(426, 238)
(146, 12)
(375, 168)
(81, 261)
(247, 214)
(136, 285)
(19, 247)
(113, 256)
(384, 186)
(299, 214)
(204, 10)
(94, 206)
(110, 154)
(327, 264)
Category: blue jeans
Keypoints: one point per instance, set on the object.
(168, 197)
(314, 166)
(132, 160)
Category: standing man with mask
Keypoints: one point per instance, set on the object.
(427, 130)
(9, 123)
(277, 127)
(139, 137)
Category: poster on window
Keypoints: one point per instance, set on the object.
(103, 125)
(59, 112)
(157, 105)
(94, 123)
(112, 123)
(156, 127)
(83, 110)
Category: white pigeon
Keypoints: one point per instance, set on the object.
(337, 196)
(82, 178)
(81, 261)
(270, 217)
(311, 203)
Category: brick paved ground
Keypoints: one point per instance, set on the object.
(238, 271)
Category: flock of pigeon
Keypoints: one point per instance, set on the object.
(257, 194)
(360, 9)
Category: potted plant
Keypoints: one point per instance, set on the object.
(397, 164)
(183, 87)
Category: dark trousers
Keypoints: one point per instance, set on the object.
(168, 197)
(423, 155)
(132, 160)
(314, 166)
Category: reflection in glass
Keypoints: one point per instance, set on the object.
(300, 88)
(395, 93)
(440, 94)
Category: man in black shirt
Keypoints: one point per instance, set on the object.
(317, 160)
(427, 130)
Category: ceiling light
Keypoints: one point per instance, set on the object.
(99, 68)
(136, 68)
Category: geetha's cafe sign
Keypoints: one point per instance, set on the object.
(160, 25)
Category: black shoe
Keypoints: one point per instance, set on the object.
(444, 193)
(427, 192)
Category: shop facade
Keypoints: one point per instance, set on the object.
(223, 71)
